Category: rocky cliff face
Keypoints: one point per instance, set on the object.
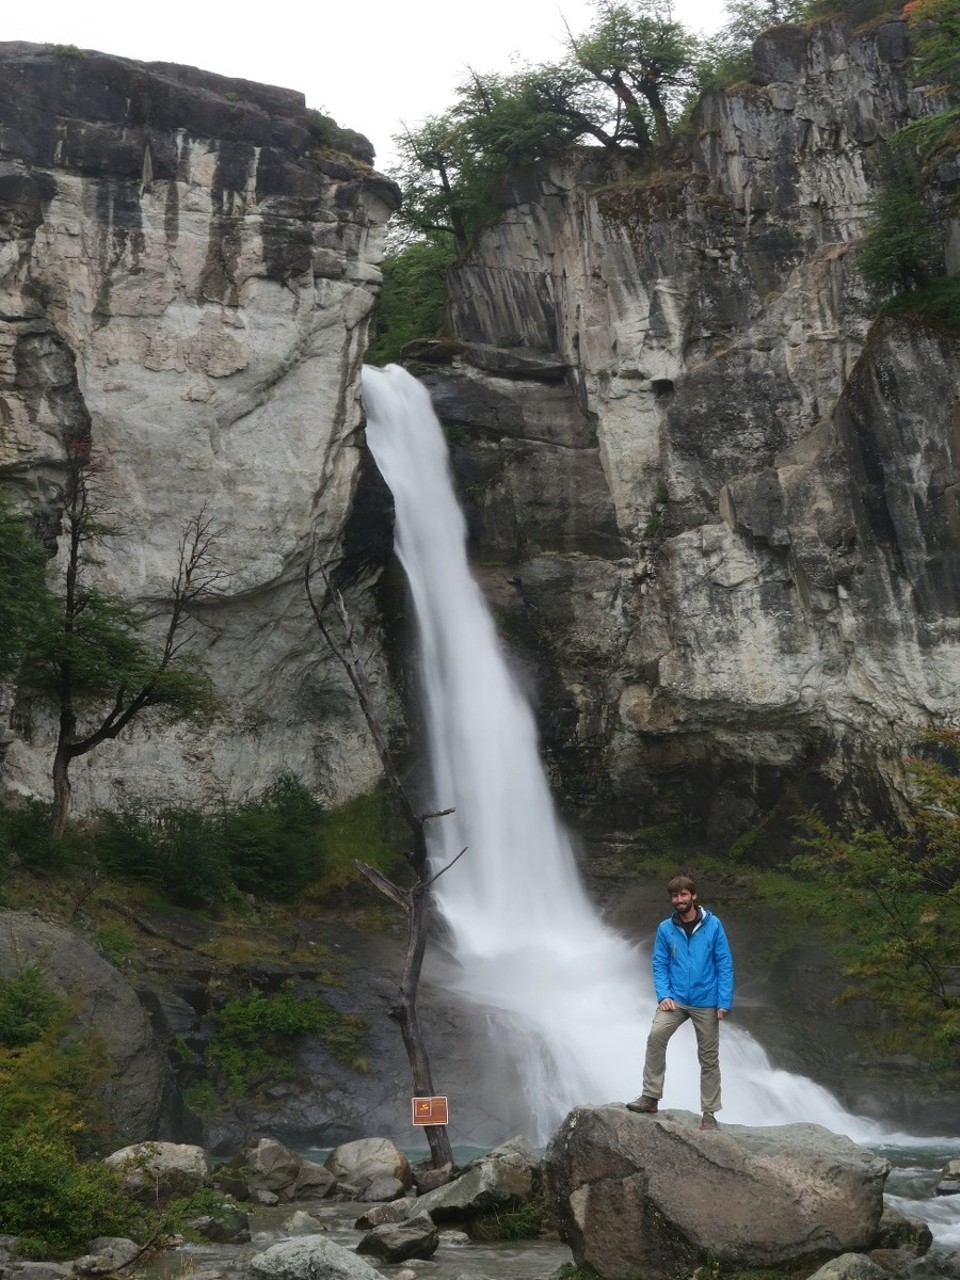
(726, 503)
(186, 282)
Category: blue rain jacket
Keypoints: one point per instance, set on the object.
(697, 970)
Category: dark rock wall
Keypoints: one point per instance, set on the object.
(738, 586)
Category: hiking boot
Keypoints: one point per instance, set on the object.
(708, 1121)
(646, 1106)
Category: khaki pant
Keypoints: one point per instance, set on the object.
(707, 1026)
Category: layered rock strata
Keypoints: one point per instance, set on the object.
(186, 282)
(732, 550)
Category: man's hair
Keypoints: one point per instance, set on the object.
(679, 883)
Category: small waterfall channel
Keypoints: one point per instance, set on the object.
(570, 996)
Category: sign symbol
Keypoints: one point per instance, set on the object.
(430, 1110)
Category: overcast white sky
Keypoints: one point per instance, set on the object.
(371, 64)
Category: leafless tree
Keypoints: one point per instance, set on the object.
(414, 901)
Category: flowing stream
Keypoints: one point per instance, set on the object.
(572, 997)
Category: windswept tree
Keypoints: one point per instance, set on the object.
(621, 86)
(646, 59)
(91, 658)
(436, 199)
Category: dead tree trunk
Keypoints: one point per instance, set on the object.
(415, 901)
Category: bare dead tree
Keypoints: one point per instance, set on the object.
(414, 901)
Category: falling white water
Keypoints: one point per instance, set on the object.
(572, 996)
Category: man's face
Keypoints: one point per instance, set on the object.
(682, 900)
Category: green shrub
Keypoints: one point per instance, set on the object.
(273, 843)
(56, 1202)
(901, 251)
(180, 851)
(413, 298)
(29, 1006)
(115, 942)
(257, 1035)
(522, 1223)
(49, 1195)
(937, 306)
(360, 829)
(26, 836)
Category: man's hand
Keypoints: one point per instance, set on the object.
(722, 1013)
(667, 1005)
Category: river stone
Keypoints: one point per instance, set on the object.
(228, 1225)
(309, 1258)
(850, 1266)
(650, 1194)
(302, 1223)
(503, 1179)
(361, 1162)
(107, 1255)
(274, 1169)
(163, 1170)
(897, 1230)
(396, 1242)
(383, 1189)
(381, 1214)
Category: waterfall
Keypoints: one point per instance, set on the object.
(572, 998)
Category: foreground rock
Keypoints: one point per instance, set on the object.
(370, 1168)
(416, 1238)
(156, 1172)
(655, 1196)
(309, 1258)
(504, 1179)
(141, 1096)
(271, 1173)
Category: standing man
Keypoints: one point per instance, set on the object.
(692, 978)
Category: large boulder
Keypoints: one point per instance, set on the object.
(367, 1160)
(141, 1096)
(504, 1179)
(656, 1196)
(397, 1242)
(274, 1169)
(309, 1258)
(162, 1171)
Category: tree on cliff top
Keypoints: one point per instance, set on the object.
(621, 86)
(89, 656)
(646, 59)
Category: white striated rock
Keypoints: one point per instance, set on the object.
(203, 317)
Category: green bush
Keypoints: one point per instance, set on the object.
(257, 1035)
(27, 839)
(273, 846)
(525, 1222)
(413, 298)
(29, 1006)
(115, 942)
(54, 1201)
(901, 250)
(49, 1195)
(272, 843)
(180, 851)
